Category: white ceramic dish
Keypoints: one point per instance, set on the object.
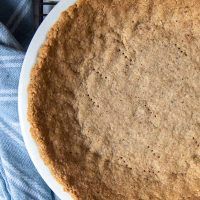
(28, 63)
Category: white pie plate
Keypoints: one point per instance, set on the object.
(28, 64)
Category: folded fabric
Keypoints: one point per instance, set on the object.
(19, 179)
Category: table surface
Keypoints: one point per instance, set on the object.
(45, 9)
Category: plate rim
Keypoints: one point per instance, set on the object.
(28, 63)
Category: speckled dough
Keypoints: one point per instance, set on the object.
(114, 100)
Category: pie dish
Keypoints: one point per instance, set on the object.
(29, 62)
(114, 103)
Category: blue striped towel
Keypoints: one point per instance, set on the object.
(19, 179)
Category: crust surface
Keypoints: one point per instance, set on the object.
(114, 100)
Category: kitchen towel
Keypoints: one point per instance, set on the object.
(19, 179)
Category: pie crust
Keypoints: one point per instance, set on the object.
(114, 100)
